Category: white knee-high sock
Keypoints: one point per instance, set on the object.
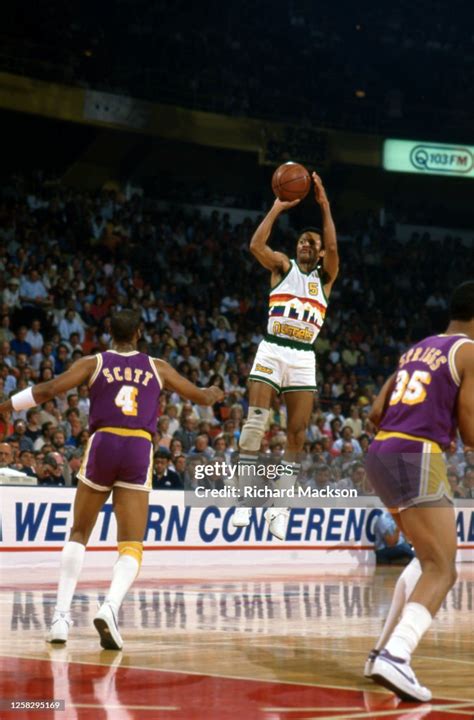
(246, 476)
(125, 571)
(414, 622)
(403, 589)
(72, 558)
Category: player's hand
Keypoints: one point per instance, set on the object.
(214, 394)
(282, 205)
(319, 191)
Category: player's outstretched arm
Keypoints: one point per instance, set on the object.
(270, 259)
(78, 374)
(381, 401)
(172, 380)
(464, 360)
(331, 255)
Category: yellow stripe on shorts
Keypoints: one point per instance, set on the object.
(126, 432)
(387, 435)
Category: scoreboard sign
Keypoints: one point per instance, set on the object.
(428, 158)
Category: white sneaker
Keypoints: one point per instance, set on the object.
(106, 625)
(241, 517)
(370, 662)
(59, 629)
(396, 675)
(277, 519)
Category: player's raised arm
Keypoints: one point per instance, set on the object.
(465, 406)
(331, 255)
(78, 374)
(381, 401)
(270, 259)
(172, 380)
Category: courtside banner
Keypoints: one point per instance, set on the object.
(39, 519)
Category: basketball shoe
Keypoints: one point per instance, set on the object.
(277, 519)
(396, 675)
(59, 629)
(241, 517)
(105, 623)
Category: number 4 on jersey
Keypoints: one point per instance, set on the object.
(126, 399)
(410, 389)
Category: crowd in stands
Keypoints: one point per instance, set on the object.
(358, 65)
(68, 259)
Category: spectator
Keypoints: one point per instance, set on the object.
(19, 344)
(70, 325)
(457, 489)
(11, 298)
(26, 463)
(33, 428)
(187, 433)
(390, 544)
(35, 338)
(346, 437)
(180, 468)
(6, 455)
(468, 482)
(51, 471)
(19, 435)
(163, 477)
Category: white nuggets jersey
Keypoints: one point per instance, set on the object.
(297, 306)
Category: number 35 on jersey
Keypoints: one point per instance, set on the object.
(410, 389)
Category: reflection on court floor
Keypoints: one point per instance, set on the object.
(263, 647)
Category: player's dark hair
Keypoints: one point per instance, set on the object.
(313, 229)
(124, 324)
(462, 302)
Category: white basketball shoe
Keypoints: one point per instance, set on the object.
(277, 519)
(396, 675)
(241, 517)
(105, 623)
(59, 630)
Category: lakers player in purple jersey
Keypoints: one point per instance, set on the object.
(418, 413)
(125, 387)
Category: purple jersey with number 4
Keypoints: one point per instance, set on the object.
(423, 401)
(124, 392)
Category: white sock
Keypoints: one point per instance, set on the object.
(72, 558)
(403, 589)
(414, 622)
(246, 476)
(125, 571)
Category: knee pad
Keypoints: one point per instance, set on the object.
(253, 429)
(133, 549)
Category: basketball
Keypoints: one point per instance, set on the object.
(291, 181)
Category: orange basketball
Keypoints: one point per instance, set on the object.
(291, 181)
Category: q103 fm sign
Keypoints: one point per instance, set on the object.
(429, 158)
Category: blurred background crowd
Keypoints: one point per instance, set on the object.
(69, 258)
(358, 65)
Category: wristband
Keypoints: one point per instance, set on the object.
(24, 400)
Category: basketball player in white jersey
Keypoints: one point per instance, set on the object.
(285, 361)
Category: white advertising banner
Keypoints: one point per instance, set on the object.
(35, 524)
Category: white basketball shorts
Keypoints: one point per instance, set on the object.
(287, 369)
